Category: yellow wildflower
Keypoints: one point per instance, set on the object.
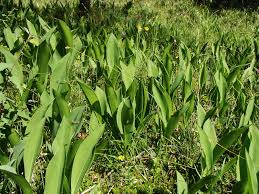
(121, 158)
(146, 28)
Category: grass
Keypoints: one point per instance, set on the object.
(150, 163)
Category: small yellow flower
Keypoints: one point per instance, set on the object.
(121, 158)
(139, 28)
(146, 28)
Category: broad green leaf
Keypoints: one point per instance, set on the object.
(224, 62)
(119, 117)
(232, 77)
(16, 69)
(59, 72)
(226, 141)
(47, 37)
(4, 66)
(62, 104)
(54, 172)
(188, 74)
(141, 101)
(128, 73)
(43, 24)
(91, 97)
(172, 124)
(64, 136)
(102, 99)
(74, 53)
(9, 37)
(187, 91)
(163, 101)
(177, 82)
(34, 39)
(200, 184)
(3, 157)
(254, 148)
(112, 99)
(84, 157)
(112, 53)
(152, 68)
(182, 187)
(249, 110)
(209, 114)
(67, 34)
(207, 150)
(43, 57)
(33, 140)
(18, 179)
(251, 172)
(222, 86)
(211, 133)
(71, 154)
(76, 118)
(200, 114)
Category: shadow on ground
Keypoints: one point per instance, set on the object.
(230, 4)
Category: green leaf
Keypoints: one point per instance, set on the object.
(59, 72)
(18, 179)
(182, 187)
(16, 69)
(43, 57)
(203, 77)
(91, 97)
(223, 170)
(200, 114)
(249, 110)
(112, 99)
(163, 101)
(84, 156)
(177, 82)
(33, 140)
(207, 150)
(225, 142)
(119, 117)
(34, 39)
(141, 101)
(62, 104)
(3, 157)
(102, 99)
(254, 148)
(67, 34)
(222, 86)
(54, 172)
(128, 73)
(71, 154)
(211, 133)
(4, 66)
(47, 37)
(172, 124)
(43, 24)
(201, 183)
(64, 136)
(152, 69)
(252, 177)
(9, 37)
(76, 118)
(112, 53)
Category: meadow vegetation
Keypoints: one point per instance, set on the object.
(144, 96)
